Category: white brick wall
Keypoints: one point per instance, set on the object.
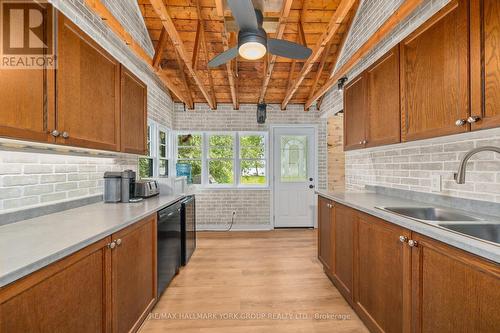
(28, 178)
(215, 206)
(411, 165)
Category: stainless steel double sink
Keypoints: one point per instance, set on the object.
(451, 219)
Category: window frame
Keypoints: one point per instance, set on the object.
(168, 150)
(205, 146)
(151, 130)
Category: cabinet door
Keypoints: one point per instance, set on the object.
(355, 113)
(134, 274)
(133, 113)
(485, 63)
(324, 233)
(382, 275)
(453, 291)
(68, 296)
(88, 84)
(344, 220)
(27, 99)
(434, 75)
(384, 115)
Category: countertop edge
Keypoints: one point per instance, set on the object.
(22, 272)
(470, 245)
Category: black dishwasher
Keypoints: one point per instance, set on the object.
(188, 229)
(169, 245)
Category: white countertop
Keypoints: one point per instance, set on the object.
(366, 202)
(29, 245)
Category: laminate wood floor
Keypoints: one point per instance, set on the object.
(267, 281)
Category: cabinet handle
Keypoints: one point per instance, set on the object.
(112, 245)
(118, 242)
(403, 239)
(412, 243)
(365, 142)
(65, 135)
(55, 133)
(473, 119)
(460, 122)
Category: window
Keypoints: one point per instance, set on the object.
(146, 163)
(293, 158)
(253, 159)
(156, 162)
(189, 157)
(223, 159)
(163, 152)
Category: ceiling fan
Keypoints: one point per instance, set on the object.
(252, 38)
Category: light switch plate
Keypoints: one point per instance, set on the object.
(436, 183)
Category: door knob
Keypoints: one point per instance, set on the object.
(311, 186)
(460, 122)
(55, 133)
(412, 243)
(473, 119)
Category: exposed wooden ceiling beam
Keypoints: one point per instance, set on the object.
(196, 49)
(302, 40)
(162, 43)
(285, 13)
(335, 23)
(203, 41)
(162, 12)
(399, 15)
(219, 4)
(184, 81)
(98, 7)
(321, 66)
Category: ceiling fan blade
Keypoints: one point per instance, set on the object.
(284, 48)
(223, 57)
(244, 13)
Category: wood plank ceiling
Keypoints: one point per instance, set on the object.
(206, 26)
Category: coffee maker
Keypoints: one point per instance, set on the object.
(128, 187)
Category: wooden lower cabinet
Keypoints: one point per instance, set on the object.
(324, 234)
(343, 224)
(70, 295)
(382, 275)
(97, 289)
(453, 291)
(424, 288)
(134, 275)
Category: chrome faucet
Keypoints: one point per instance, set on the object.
(460, 175)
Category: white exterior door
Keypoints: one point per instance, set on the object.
(294, 150)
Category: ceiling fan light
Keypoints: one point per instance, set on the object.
(252, 50)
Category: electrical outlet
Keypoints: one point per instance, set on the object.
(436, 183)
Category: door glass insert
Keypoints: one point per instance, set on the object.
(293, 158)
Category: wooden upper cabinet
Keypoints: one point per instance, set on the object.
(383, 109)
(485, 63)
(88, 87)
(133, 113)
(382, 272)
(325, 233)
(435, 75)
(134, 274)
(27, 104)
(344, 220)
(355, 113)
(453, 291)
(68, 296)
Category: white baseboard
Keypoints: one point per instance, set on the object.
(236, 227)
